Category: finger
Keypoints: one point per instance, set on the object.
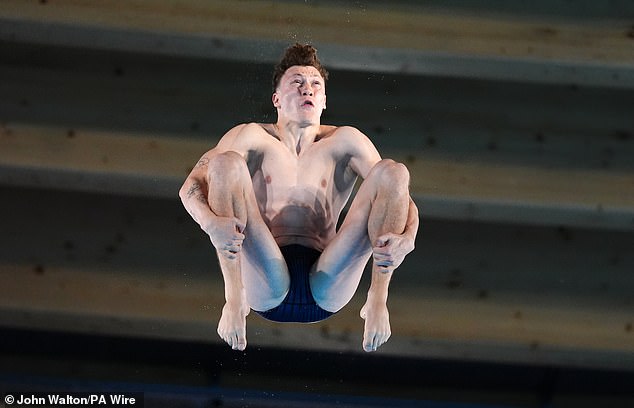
(381, 241)
(240, 226)
(384, 269)
(383, 262)
(381, 265)
(229, 254)
(380, 256)
(232, 240)
(378, 252)
(233, 244)
(234, 249)
(384, 250)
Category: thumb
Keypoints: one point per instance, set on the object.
(382, 241)
(240, 225)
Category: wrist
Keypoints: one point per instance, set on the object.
(207, 223)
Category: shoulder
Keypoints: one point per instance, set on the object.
(347, 131)
(351, 135)
(245, 130)
(341, 134)
(357, 146)
(243, 137)
(351, 139)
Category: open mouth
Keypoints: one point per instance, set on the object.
(307, 103)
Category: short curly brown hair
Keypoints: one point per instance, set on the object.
(298, 54)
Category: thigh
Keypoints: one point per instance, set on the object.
(265, 276)
(340, 267)
(263, 271)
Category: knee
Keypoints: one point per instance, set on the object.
(321, 288)
(328, 303)
(227, 166)
(391, 175)
(257, 303)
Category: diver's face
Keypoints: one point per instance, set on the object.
(301, 95)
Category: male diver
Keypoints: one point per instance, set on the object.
(269, 196)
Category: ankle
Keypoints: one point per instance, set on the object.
(237, 307)
(376, 298)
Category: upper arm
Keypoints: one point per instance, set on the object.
(363, 154)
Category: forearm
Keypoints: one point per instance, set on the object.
(193, 195)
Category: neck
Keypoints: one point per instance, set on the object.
(297, 136)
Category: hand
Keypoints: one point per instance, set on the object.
(226, 234)
(390, 250)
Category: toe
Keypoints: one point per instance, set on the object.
(368, 343)
(240, 342)
(234, 342)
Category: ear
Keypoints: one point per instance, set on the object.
(324, 102)
(276, 100)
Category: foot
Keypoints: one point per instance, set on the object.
(232, 327)
(377, 325)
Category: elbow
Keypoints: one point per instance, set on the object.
(185, 191)
(414, 209)
(193, 187)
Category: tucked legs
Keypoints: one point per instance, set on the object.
(373, 227)
(254, 272)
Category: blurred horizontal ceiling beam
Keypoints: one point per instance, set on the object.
(379, 37)
(501, 115)
(108, 162)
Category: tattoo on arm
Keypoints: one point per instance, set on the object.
(196, 191)
(193, 190)
(202, 162)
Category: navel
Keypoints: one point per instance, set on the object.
(323, 183)
(267, 179)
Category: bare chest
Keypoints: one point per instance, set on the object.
(313, 169)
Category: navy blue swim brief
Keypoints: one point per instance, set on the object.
(299, 305)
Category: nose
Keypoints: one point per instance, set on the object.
(307, 89)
